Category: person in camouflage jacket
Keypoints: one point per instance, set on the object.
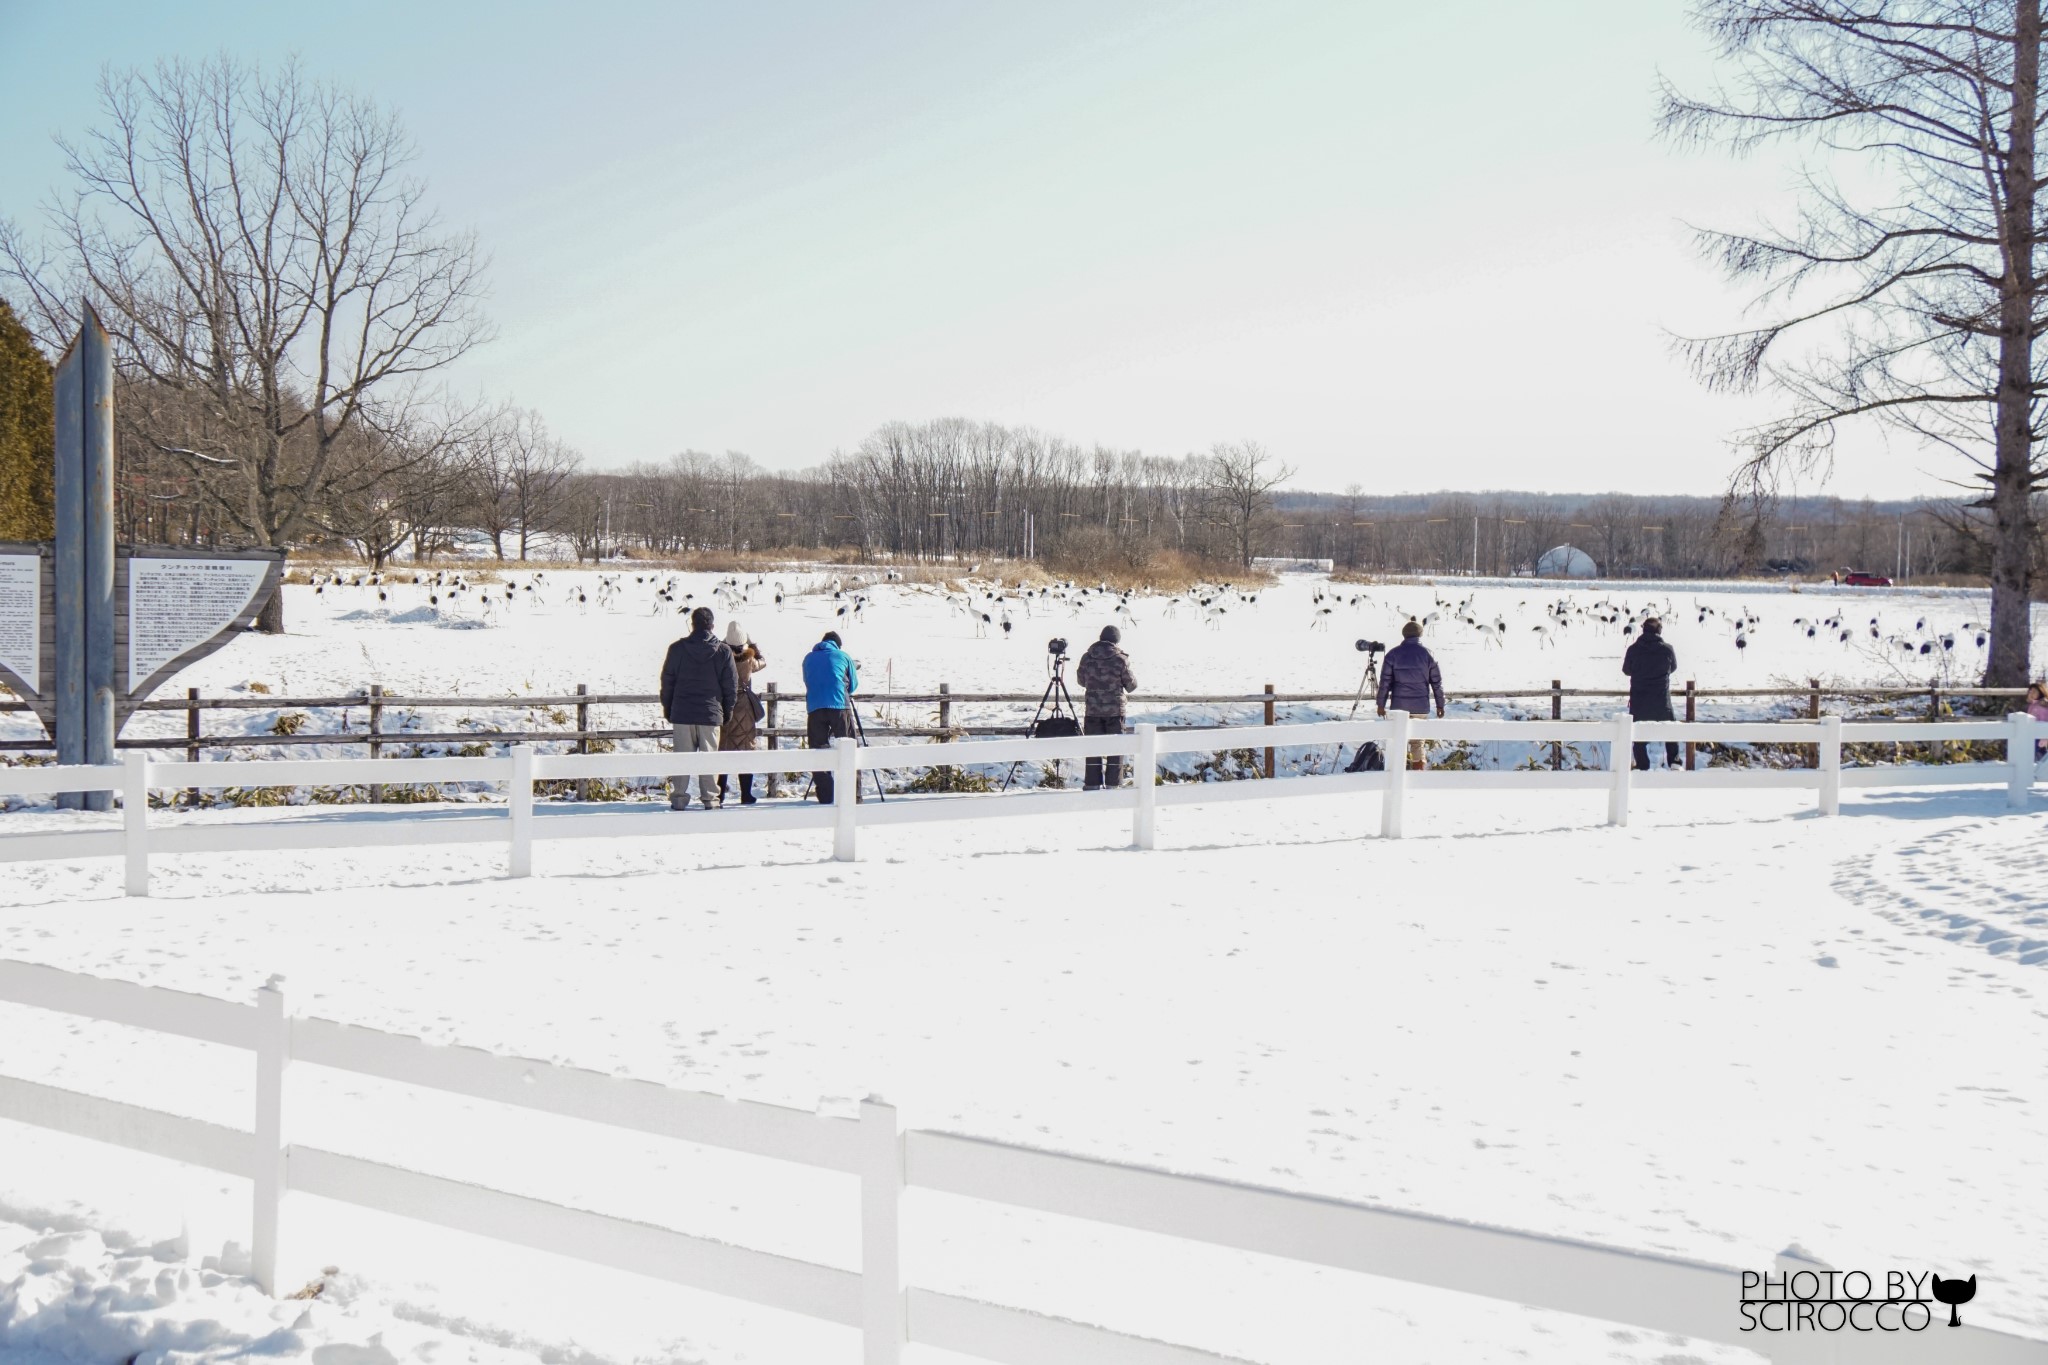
(1105, 676)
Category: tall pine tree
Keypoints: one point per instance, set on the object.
(28, 435)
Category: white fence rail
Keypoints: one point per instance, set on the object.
(520, 824)
(1662, 1293)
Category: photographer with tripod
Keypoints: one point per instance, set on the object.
(1408, 678)
(1105, 677)
(830, 680)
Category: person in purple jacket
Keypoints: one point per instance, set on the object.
(1408, 678)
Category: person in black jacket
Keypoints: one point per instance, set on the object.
(1105, 676)
(699, 688)
(1649, 664)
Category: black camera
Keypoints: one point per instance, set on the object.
(1371, 647)
(1056, 645)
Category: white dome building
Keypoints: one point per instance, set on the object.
(1566, 561)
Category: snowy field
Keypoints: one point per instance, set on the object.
(563, 627)
(1728, 1027)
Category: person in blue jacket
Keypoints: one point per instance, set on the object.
(1408, 676)
(830, 680)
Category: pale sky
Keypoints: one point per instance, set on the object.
(1408, 246)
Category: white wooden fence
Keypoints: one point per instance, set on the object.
(519, 825)
(1661, 1293)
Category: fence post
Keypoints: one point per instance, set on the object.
(519, 798)
(1813, 713)
(1556, 713)
(1618, 761)
(1691, 714)
(1145, 777)
(845, 796)
(1830, 758)
(774, 778)
(2019, 753)
(135, 820)
(582, 736)
(273, 1050)
(945, 732)
(1392, 799)
(1270, 718)
(191, 739)
(884, 1325)
(376, 728)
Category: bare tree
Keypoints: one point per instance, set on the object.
(539, 473)
(1240, 482)
(1915, 299)
(254, 242)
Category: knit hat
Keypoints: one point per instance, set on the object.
(734, 636)
(1113, 635)
(1411, 631)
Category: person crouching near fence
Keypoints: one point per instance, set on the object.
(1105, 677)
(743, 721)
(2037, 707)
(1649, 664)
(699, 689)
(1408, 676)
(830, 680)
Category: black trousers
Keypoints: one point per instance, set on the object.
(1103, 771)
(820, 729)
(1671, 759)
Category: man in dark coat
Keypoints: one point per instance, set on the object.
(1105, 676)
(699, 688)
(1408, 678)
(1649, 664)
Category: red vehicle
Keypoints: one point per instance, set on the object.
(1856, 578)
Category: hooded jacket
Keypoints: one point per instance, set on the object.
(698, 683)
(1649, 664)
(830, 679)
(1105, 675)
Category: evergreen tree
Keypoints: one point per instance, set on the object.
(28, 435)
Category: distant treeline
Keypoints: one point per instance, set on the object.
(951, 489)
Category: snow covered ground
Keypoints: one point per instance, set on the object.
(1726, 1028)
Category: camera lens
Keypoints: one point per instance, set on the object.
(1056, 646)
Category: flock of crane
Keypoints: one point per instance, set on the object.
(997, 610)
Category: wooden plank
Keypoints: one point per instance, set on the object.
(783, 1282)
(203, 1017)
(765, 1130)
(172, 1136)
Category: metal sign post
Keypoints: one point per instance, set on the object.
(73, 610)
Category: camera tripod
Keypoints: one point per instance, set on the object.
(1368, 683)
(1054, 718)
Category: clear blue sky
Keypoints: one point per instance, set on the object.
(1409, 246)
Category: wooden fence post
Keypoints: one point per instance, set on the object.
(2019, 753)
(1395, 795)
(1145, 777)
(376, 728)
(519, 799)
(273, 1051)
(1556, 713)
(1619, 761)
(582, 736)
(191, 739)
(884, 1323)
(1270, 718)
(774, 778)
(135, 820)
(946, 729)
(845, 797)
(1813, 713)
(1691, 715)
(1829, 755)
